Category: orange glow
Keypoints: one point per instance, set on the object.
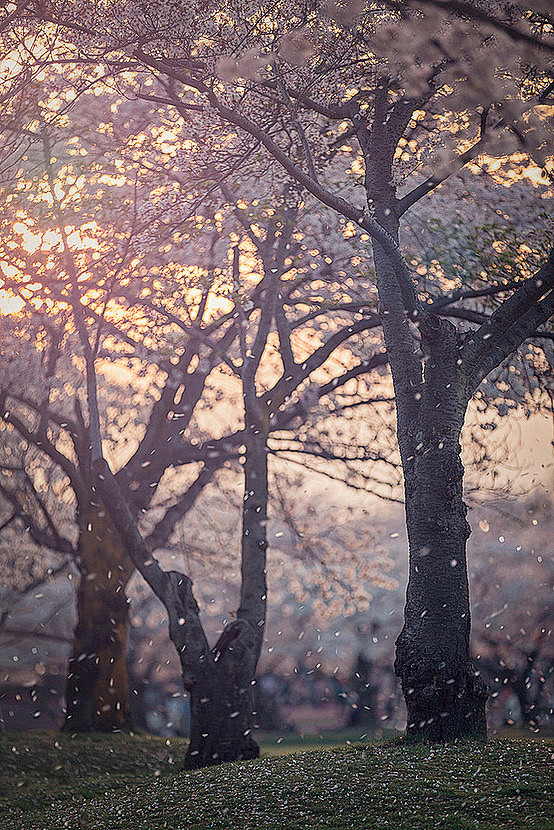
(9, 303)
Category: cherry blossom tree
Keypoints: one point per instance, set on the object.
(149, 326)
(294, 89)
(512, 636)
(41, 401)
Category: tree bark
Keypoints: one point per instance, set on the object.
(219, 680)
(221, 716)
(221, 702)
(221, 694)
(445, 697)
(97, 689)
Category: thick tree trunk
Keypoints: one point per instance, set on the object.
(97, 689)
(221, 691)
(221, 717)
(444, 695)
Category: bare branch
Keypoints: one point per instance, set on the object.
(41, 537)
(161, 533)
(516, 319)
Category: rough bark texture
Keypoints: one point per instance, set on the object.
(97, 690)
(221, 687)
(221, 702)
(219, 680)
(444, 695)
(221, 716)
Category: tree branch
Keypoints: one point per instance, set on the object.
(516, 319)
(42, 443)
(41, 537)
(162, 531)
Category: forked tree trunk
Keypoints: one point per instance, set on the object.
(445, 697)
(221, 693)
(97, 689)
(218, 679)
(221, 715)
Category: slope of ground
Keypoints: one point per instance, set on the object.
(131, 783)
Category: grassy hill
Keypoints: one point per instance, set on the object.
(53, 782)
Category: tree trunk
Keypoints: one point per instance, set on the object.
(365, 713)
(445, 697)
(221, 717)
(221, 689)
(97, 689)
(218, 679)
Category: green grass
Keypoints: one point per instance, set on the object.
(289, 742)
(53, 782)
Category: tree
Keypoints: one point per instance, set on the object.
(306, 77)
(512, 636)
(219, 679)
(47, 413)
(101, 303)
